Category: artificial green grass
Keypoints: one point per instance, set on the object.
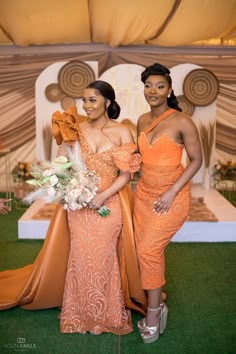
(15, 253)
(200, 295)
(229, 195)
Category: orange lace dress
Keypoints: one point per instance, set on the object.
(161, 167)
(93, 300)
(86, 254)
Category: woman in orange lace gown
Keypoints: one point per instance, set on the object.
(93, 300)
(162, 196)
(87, 259)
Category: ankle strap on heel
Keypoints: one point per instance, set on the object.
(150, 309)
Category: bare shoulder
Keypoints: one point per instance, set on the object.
(123, 131)
(184, 121)
(181, 116)
(143, 118)
(118, 126)
(143, 121)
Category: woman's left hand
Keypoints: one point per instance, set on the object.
(163, 203)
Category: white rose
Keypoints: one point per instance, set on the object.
(75, 206)
(53, 180)
(51, 192)
(60, 160)
(48, 172)
(73, 182)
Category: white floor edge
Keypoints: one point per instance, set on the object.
(223, 230)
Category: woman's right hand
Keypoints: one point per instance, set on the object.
(164, 201)
(4, 209)
(97, 201)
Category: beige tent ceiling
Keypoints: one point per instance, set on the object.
(118, 22)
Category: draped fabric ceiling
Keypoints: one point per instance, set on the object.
(35, 34)
(118, 22)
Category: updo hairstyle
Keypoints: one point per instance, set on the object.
(107, 91)
(158, 69)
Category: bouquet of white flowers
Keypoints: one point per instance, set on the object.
(66, 182)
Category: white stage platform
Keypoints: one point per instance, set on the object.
(224, 230)
(31, 228)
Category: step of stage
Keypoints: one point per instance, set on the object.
(224, 230)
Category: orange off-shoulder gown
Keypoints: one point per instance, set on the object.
(160, 168)
(93, 298)
(81, 245)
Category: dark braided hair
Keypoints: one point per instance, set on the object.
(158, 69)
(107, 91)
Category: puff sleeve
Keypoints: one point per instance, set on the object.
(65, 125)
(126, 159)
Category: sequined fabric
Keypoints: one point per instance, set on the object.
(160, 169)
(93, 300)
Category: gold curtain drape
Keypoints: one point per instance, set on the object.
(118, 23)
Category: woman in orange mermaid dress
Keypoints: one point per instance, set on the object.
(162, 195)
(93, 300)
(87, 264)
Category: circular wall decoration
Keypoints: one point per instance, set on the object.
(67, 102)
(201, 87)
(185, 105)
(53, 92)
(74, 77)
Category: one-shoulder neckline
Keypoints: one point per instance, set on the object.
(159, 119)
(159, 139)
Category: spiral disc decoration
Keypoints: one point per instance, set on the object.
(53, 92)
(185, 105)
(201, 87)
(74, 77)
(67, 102)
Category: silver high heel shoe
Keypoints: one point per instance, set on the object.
(141, 324)
(164, 316)
(151, 333)
(163, 320)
